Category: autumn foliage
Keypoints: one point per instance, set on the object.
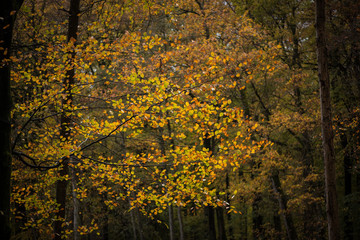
(181, 104)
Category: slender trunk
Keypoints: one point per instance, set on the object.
(211, 222)
(221, 223)
(105, 228)
(61, 200)
(288, 222)
(357, 208)
(171, 222)
(76, 203)
(7, 17)
(61, 185)
(326, 125)
(348, 225)
(139, 224)
(170, 208)
(257, 218)
(247, 224)
(277, 225)
(133, 223)
(210, 209)
(181, 228)
(228, 215)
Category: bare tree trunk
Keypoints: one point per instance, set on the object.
(221, 223)
(133, 224)
(211, 222)
(8, 12)
(228, 200)
(326, 124)
(289, 225)
(66, 122)
(139, 225)
(76, 203)
(257, 218)
(171, 222)
(348, 224)
(181, 227)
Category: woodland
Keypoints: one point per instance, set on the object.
(180, 119)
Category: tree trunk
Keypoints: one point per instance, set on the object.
(289, 225)
(105, 227)
(133, 223)
(348, 225)
(61, 185)
(181, 228)
(8, 12)
(139, 224)
(357, 208)
(76, 203)
(326, 124)
(211, 222)
(277, 225)
(221, 223)
(257, 218)
(228, 215)
(171, 222)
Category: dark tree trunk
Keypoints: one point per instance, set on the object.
(210, 209)
(7, 17)
(105, 228)
(76, 204)
(228, 215)
(221, 223)
(171, 222)
(139, 224)
(288, 222)
(326, 124)
(348, 225)
(61, 185)
(211, 222)
(257, 218)
(277, 225)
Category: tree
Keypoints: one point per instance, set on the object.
(141, 99)
(66, 121)
(326, 124)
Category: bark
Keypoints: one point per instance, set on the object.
(211, 222)
(277, 225)
(357, 207)
(288, 222)
(105, 227)
(76, 204)
(326, 124)
(228, 215)
(181, 228)
(133, 221)
(133, 224)
(7, 18)
(61, 185)
(171, 222)
(257, 218)
(348, 225)
(139, 224)
(221, 223)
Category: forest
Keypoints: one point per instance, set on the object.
(180, 119)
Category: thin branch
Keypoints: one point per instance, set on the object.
(26, 123)
(20, 156)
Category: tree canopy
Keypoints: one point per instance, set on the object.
(124, 111)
